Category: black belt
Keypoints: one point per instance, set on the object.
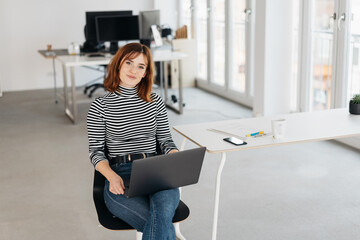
(130, 157)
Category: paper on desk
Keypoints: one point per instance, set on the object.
(238, 131)
(232, 130)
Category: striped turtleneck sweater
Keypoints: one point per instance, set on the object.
(127, 124)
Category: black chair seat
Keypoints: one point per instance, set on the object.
(109, 221)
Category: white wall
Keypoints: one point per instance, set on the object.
(27, 26)
(169, 12)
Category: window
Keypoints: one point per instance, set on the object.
(239, 53)
(201, 37)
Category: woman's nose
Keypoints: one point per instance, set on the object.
(133, 69)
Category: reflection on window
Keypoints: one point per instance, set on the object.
(295, 56)
(219, 42)
(322, 41)
(238, 81)
(186, 5)
(354, 51)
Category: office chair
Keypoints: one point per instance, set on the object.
(92, 87)
(92, 49)
(111, 222)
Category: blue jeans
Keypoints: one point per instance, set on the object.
(152, 215)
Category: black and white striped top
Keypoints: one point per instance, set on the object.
(127, 124)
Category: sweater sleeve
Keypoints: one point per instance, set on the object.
(96, 132)
(163, 134)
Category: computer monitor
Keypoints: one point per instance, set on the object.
(146, 19)
(90, 27)
(117, 28)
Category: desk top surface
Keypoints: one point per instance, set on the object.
(300, 127)
(84, 60)
(53, 53)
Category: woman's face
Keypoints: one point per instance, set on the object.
(132, 71)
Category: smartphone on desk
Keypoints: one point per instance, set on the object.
(235, 141)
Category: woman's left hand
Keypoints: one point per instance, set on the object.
(174, 151)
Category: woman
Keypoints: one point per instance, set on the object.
(130, 120)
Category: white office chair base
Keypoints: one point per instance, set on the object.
(178, 233)
(179, 236)
(138, 235)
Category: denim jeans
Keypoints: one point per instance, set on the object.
(152, 215)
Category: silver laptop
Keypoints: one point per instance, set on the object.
(153, 174)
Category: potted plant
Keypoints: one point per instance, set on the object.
(354, 104)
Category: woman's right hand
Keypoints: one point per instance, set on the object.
(116, 185)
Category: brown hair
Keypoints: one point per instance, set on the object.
(131, 51)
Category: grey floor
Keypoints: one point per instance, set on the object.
(304, 191)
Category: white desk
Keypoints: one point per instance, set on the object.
(301, 127)
(70, 62)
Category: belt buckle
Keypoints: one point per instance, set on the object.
(129, 157)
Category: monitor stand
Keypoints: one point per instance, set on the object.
(89, 47)
(114, 47)
(146, 42)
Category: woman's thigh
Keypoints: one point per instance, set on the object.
(135, 211)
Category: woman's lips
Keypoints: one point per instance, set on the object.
(131, 77)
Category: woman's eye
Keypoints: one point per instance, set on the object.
(141, 67)
(128, 63)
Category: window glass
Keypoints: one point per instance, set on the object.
(219, 42)
(321, 59)
(354, 51)
(201, 38)
(238, 81)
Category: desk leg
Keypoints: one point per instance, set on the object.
(66, 97)
(161, 81)
(180, 89)
(217, 194)
(73, 93)
(177, 225)
(179, 110)
(165, 78)
(54, 75)
(66, 94)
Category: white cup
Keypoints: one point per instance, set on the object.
(76, 48)
(73, 48)
(70, 48)
(278, 127)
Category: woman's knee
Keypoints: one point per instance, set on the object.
(166, 201)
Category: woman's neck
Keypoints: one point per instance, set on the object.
(127, 91)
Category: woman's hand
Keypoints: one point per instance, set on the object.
(116, 184)
(173, 151)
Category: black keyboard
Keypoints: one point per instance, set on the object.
(95, 55)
